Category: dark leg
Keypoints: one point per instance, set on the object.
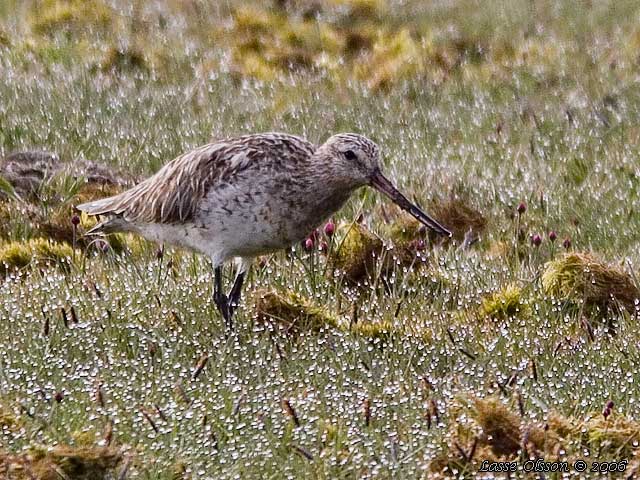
(236, 293)
(220, 299)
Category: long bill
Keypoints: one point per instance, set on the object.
(384, 185)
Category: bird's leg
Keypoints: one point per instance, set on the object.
(220, 299)
(243, 265)
(236, 292)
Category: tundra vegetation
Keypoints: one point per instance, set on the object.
(372, 349)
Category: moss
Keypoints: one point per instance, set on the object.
(459, 217)
(618, 435)
(582, 277)
(394, 57)
(507, 303)
(86, 463)
(52, 16)
(355, 256)
(179, 471)
(375, 330)
(17, 255)
(51, 252)
(291, 313)
(406, 229)
(497, 433)
(408, 238)
(267, 44)
(362, 9)
(124, 60)
(8, 420)
(500, 426)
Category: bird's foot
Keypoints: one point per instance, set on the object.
(234, 301)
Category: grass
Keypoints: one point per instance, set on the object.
(477, 107)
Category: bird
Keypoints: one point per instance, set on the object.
(247, 196)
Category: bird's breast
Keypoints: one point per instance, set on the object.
(259, 217)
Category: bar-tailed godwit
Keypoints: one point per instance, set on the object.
(248, 196)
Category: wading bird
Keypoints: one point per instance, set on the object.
(248, 196)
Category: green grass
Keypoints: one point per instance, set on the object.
(505, 102)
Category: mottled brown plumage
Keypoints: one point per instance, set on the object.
(247, 196)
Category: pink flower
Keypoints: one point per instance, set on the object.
(553, 236)
(329, 228)
(536, 240)
(308, 244)
(522, 208)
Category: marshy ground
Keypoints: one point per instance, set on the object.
(373, 350)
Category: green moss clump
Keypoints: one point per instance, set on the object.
(291, 313)
(362, 9)
(498, 433)
(582, 277)
(356, 255)
(406, 229)
(51, 252)
(86, 463)
(618, 435)
(374, 330)
(17, 255)
(507, 303)
(266, 44)
(52, 16)
(393, 58)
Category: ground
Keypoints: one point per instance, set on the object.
(508, 120)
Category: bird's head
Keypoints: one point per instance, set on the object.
(354, 160)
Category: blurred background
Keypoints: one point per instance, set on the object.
(515, 120)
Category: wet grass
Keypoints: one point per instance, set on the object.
(477, 109)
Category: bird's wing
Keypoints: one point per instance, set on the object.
(173, 194)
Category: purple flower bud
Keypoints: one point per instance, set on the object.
(102, 246)
(536, 240)
(75, 220)
(324, 246)
(329, 228)
(610, 404)
(567, 243)
(522, 208)
(58, 397)
(553, 236)
(308, 244)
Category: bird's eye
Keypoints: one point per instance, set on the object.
(349, 155)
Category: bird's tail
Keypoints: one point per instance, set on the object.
(105, 206)
(98, 207)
